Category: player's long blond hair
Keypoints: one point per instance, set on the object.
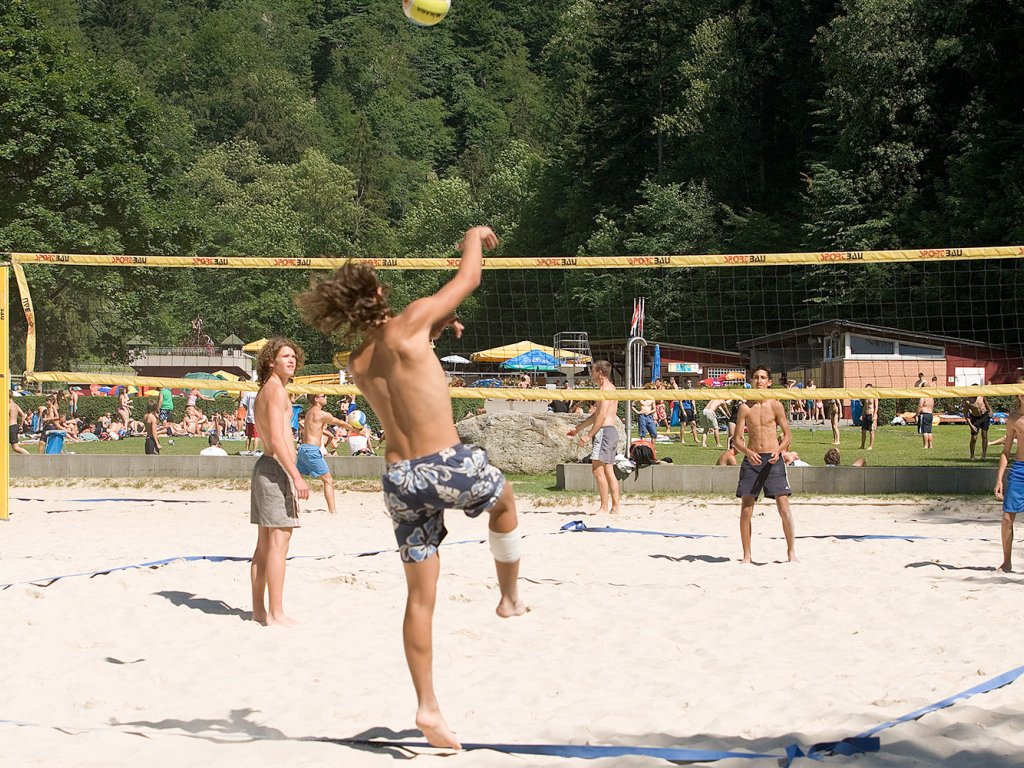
(347, 304)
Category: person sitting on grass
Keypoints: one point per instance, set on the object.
(832, 459)
(359, 442)
(728, 459)
(792, 459)
(214, 448)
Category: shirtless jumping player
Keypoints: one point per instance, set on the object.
(603, 427)
(762, 467)
(429, 469)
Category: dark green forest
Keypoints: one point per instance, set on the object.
(334, 127)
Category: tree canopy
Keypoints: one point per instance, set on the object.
(334, 127)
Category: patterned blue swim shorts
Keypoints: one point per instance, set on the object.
(418, 491)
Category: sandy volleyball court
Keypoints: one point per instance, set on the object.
(633, 640)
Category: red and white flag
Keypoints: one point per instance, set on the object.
(636, 325)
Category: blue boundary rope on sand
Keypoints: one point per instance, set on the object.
(580, 526)
(48, 580)
(575, 526)
(98, 501)
(862, 743)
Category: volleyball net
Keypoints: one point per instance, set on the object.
(837, 320)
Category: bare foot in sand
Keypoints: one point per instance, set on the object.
(507, 608)
(1006, 567)
(599, 511)
(616, 510)
(792, 557)
(281, 621)
(746, 561)
(260, 618)
(436, 730)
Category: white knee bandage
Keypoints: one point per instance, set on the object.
(504, 546)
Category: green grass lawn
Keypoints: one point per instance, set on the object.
(183, 446)
(894, 446)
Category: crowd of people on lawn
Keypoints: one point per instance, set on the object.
(60, 413)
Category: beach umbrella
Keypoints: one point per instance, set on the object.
(507, 352)
(455, 360)
(227, 376)
(533, 360)
(656, 365)
(205, 376)
(255, 346)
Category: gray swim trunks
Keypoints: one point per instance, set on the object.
(273, 503)
(708, 420)
(606, 441)
(767, 477)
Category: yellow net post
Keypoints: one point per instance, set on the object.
(5, 386)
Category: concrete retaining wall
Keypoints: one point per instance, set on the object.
(870, 481)
(574, 477)
(221, 467)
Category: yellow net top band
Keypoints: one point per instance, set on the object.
(496, 393)
(556, 262)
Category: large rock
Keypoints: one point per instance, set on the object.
(527, 443)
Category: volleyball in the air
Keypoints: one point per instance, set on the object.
(426, 13)
(357, 419)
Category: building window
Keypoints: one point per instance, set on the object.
(873, 347)
(914, 350)
(716, 372)
(863, 345)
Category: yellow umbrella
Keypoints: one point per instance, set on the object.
(227, 376)
(316, 378)
(501, 354)
(254, 346)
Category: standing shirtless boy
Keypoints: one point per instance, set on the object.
(428, 470)
(761, 467)
(277, 485)
(1012, 493)
(602, 424)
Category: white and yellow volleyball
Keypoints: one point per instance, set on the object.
(426, 13)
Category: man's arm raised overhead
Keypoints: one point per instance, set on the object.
(438, 311)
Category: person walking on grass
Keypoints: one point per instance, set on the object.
(15, 419)
(868, 421)
(152, 422)
(924, 418)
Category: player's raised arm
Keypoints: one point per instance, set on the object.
(438, 311)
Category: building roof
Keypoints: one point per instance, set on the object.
(827, 327)
(232, 341)
(621, 344)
